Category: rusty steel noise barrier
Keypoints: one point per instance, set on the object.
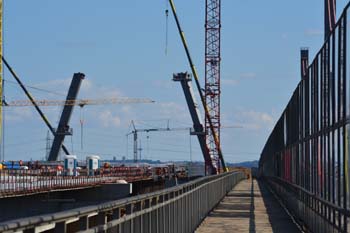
(306, 158)
(178, 209)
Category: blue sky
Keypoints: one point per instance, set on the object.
(120, 46)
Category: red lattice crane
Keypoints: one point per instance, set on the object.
(212, 73)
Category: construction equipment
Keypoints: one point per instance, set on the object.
(212, 89)
(193, 131)
(32, 101)
(63, 125)
(186, 84)
(214, 135)
(63, 128)
(78, 102)
(135, 131)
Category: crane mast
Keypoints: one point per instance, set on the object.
(212, 74)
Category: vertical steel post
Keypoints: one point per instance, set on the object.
(1, 74)
(330, 17)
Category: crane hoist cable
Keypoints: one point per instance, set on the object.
(35, 88)
(64, 148)
(81, 120)
(166, 26)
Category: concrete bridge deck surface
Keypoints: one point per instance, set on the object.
(249, 207)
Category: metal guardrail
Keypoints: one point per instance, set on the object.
(17, 182)
(307, 208)
(178, 209)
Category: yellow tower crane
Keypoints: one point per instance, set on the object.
(78, 102)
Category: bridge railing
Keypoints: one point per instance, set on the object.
(306, 158)
(20, 182)
(178, 209)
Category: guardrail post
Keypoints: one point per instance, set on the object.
(129, 210)
(60, 227)
(137, 222)
(83, 223)
(161, 216)
(31, 230)
(145, 218)
(101, 219)
(178, 210)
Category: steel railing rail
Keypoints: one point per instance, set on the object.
(178, 209)
(307, 213)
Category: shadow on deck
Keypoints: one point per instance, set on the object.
(249, 207)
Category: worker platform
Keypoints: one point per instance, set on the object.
(249, 207)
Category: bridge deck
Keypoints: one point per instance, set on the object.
(249, 207)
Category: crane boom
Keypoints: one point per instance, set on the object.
(185, 80)
(78, 102)
(63, 125)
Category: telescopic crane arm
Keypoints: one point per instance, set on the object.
(185, 80)
(63, 125)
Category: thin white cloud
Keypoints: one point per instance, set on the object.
(107, 119)
(237, 81)
(18, 114)
(126, 109)
(230, 82)
(248, 75)
(86, 85)
(88, 89)
(163, 83)
(173, 110)
(255, 120)
(313, 32)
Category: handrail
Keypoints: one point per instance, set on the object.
(124, 209)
